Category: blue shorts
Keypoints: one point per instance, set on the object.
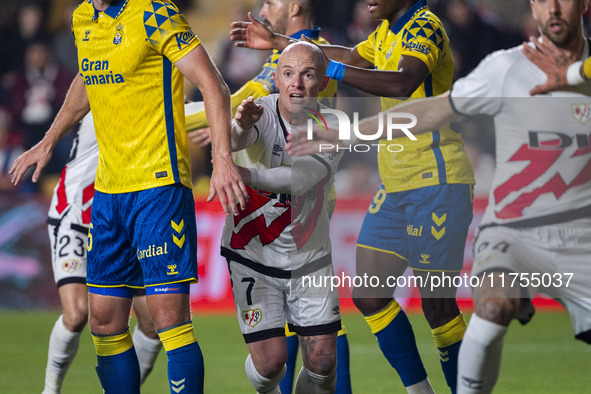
(426, 226)
(143, 238)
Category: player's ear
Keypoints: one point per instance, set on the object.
(275, 78)
(294, 8)
(325, 82)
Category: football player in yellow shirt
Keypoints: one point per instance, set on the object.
(132, 57)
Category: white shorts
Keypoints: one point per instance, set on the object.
(68, 239)
(553, 260)
(264, 303)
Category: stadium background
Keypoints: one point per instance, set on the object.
(27, 291)
(475, 28)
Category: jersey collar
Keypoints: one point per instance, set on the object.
(313, 33)
(420, 4)
(113, 10)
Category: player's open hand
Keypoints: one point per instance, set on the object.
(253, 34)
(248, 113)
(551, 60)
(321, 140)
(38, 155)
(227, 184)
(201, 137)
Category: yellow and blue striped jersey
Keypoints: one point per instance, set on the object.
(437, 157)
(126, 57)
(264, 84)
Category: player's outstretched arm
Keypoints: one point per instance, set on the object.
(74, 108)
(226, 182)
(411, 73)
(412, 118)
(247, 115)
(255, 35)
(560, 70)
(297, 179)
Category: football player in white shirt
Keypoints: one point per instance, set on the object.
(536, 231)
(282, 235)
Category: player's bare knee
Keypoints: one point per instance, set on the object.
(497, 310)
(369, 306)
(319, 353)
(439, 311)
(322, 364)
(75, 319)
(270, 366)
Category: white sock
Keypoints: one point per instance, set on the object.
(309, 382)
(259, 382)
(147, 350)
(63, 346)
(480, 356)
(423, 387)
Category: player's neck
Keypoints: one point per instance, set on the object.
(298, 24)
(398, 13)
(574, 49)
(101, 5)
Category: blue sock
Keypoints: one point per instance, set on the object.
(186, 368)
(119, 373)
(185, 361)
(449, 364)
(448, 338)
(343, 372)
(286, 383)
(397, 342)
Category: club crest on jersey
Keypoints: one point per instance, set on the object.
(118, 34)
(252, 317)
(390, 51)
(582, 112)
(71, 266)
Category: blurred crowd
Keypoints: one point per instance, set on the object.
(38, 62)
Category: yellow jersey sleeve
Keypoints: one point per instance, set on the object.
(167, 31)
(425, 40)
(367, 48)
(251, 88)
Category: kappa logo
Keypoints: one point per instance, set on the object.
(252, 317)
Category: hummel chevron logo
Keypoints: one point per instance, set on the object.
(437, 233)
(178, 385)
(178, 227)
(177, 241)
(438, 220)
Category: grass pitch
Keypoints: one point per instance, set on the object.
(542, 357)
